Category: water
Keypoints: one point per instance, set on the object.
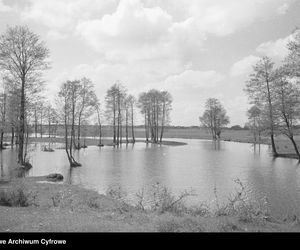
(200, 165)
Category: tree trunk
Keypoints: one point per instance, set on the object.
(114, 121)
(1, 139)
(41, 126)
(22, 123)
(100, 135)
(275, 154)
(132, 125)
(49, 125)
(35, 122)
(12, 136)
(295, 147)
(126, 127)
(146, 128)
(78, 133)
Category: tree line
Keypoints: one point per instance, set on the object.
(24, 110)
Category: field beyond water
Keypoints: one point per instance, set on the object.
(283, 145)
(34, 205)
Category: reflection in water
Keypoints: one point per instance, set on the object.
(256, 148)
(1, 163)
(216, 144)
(200, 165)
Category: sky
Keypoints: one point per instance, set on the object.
(195, 49)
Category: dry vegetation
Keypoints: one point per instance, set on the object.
(28, 205)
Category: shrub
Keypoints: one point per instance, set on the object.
(16, 197)
(240, 205)
(160, 199)
(92, 203)
(115, 192)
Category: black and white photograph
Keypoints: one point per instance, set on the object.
(154, 116)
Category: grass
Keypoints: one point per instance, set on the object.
(66, 208)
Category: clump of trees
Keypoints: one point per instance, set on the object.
(274, 94)
(77, 101)
(155, 106)
(214, 117)
(115, 100)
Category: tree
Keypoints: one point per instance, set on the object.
(214, 117)
(287, 105)
(98, 110)
(51, 117)
(68, 98)
(131, 103)
(3, 115)
(85, 105)
(255, 124)
(23, 58)
(292, 61)
(115, 101)
(260, 91)
(166, 100)
(155, 106)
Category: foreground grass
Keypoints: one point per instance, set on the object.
(31, 205)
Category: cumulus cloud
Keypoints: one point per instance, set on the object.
(58, 14)
(155, 44)
(243, 66)
(275, 49)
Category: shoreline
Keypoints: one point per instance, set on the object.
(70, 208)
(281, 143)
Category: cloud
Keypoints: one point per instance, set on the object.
(275, 49)
(132, 31)
(193, 80)
(56, 35)
(4, 7)
(154, 44)
(243, 66)
(58, 14)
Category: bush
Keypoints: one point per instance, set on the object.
(160, 199)
(246, 210)
(16, 197)
(93, 203)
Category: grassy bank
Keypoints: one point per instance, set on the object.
(31, 205)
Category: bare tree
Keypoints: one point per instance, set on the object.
(23, 57)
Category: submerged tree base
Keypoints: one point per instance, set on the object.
(75, 164)
(45, 149)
